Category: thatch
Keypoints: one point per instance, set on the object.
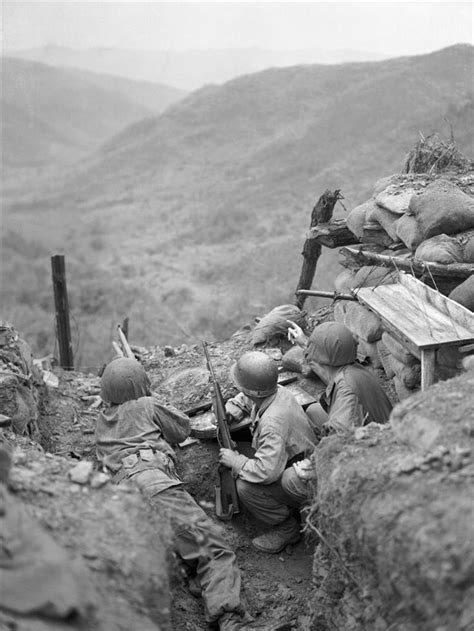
(433, 155)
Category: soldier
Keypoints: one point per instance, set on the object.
(353, 396)
(133, 440)
(282, 435)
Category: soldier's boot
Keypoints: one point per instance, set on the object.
(279, 537)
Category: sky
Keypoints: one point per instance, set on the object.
(384, 27)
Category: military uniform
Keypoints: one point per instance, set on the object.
(133, 440)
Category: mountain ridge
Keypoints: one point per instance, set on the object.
(80, 109)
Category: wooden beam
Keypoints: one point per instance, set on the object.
(358, 258)
(333, 234)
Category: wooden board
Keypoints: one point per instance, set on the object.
(419, 315)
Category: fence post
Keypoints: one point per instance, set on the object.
(58, 269)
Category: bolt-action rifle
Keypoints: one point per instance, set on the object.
(226, 493)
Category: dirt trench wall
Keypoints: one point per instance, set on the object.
(395, 503)
(110, 533)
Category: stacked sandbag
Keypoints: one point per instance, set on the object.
(412, 208)
(364, 325)
(399, 365)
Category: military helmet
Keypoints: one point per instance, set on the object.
(255, 374)
(331, 344)
(124, 379)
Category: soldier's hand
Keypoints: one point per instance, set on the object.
(227, 457)
(295, 334)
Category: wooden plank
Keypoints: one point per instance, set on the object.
(453, 310)
(418, 321)
(427, 367)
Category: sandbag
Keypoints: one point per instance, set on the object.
(357, 217)
(400, 388)
(344, 281)
(384, 354)
(466, 240)
(440, 249)
(274, 324)
(293, 359)
(442, 208)
(382, 183)
(397, 349)
(395, 200)
(362, 322)
(409, 376)
(386, 219)
(449, 356)
(464, 293)
(408, 231)
(373, 275)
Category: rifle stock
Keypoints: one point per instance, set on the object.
(226, 493)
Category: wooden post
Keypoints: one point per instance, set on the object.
(321, 213)
(427, 367)
(58, 268)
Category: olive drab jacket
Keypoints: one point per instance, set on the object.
(280, 430)
(141, 429)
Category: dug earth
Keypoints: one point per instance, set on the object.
(388, 535)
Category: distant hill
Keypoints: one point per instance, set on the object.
(51, 114)
(188, 69)
(193, 221)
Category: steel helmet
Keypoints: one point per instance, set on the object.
(331, 344)
(255, 374)
(124, 379)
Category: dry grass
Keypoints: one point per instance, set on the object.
(433, 155)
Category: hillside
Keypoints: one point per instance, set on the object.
(192, 222)
(49, 114)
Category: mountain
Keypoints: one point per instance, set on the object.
(49, 114)
(192, 222)
(188, 69)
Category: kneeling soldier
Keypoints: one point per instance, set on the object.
(282, 435)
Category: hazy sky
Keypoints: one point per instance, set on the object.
(387, 27)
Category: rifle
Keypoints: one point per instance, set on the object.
(226, 493)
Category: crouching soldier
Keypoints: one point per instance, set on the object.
(133, 440)
(353, 396)
(282, 435)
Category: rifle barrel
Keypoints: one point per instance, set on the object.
(335, 295)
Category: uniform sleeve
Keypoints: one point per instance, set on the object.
(268, 462)
(238, 406)
(174, 424)
(345, 411)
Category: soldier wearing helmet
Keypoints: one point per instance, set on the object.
(134, 438)
(281, 435)
(353, 396)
